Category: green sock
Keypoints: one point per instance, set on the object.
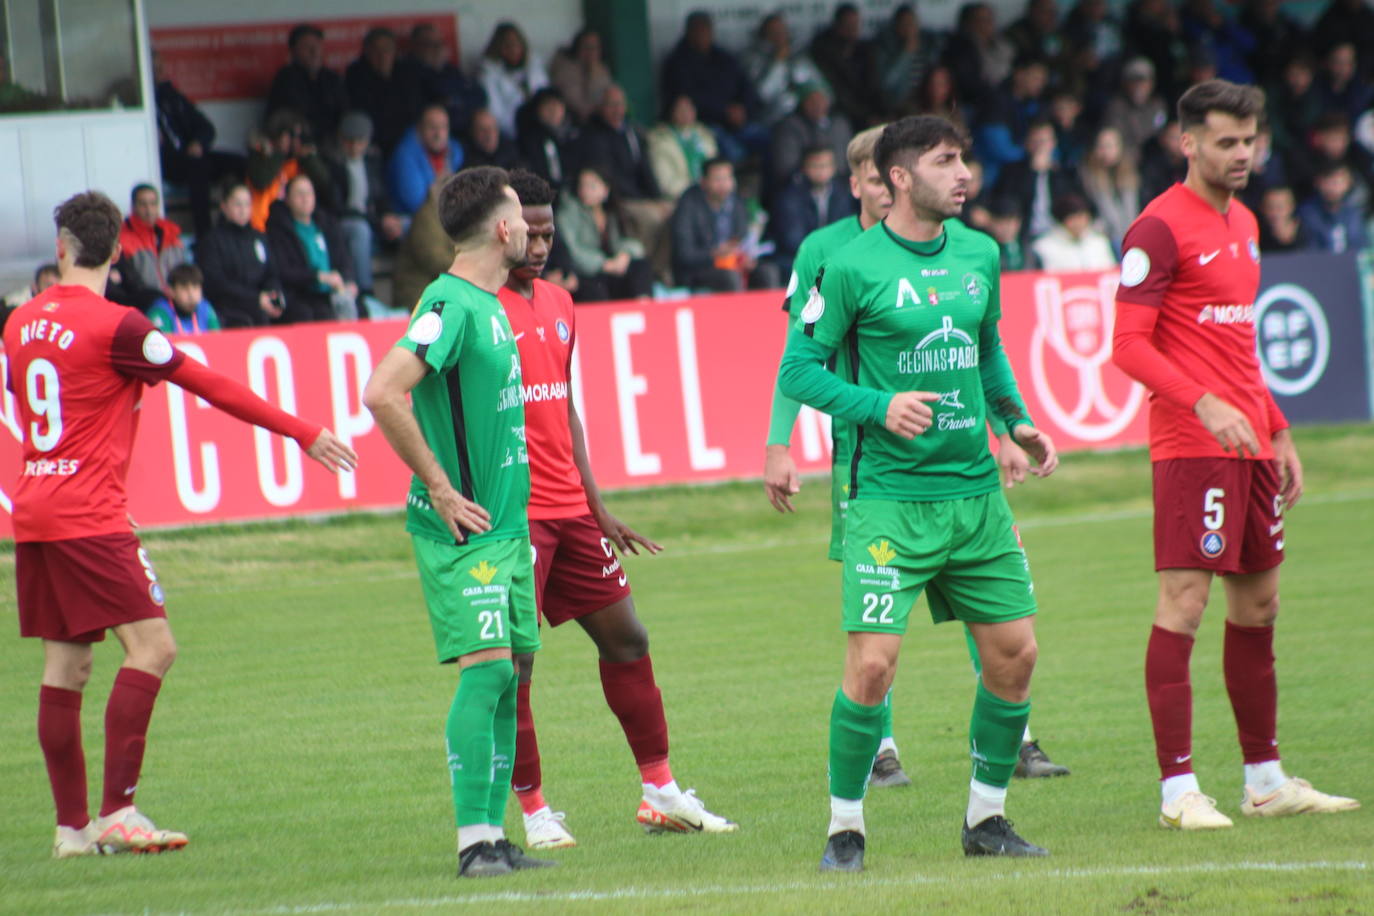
(504, 756)
(854, 739)
(887, 714)
(470, 739)
(995, 736)
(973, 652)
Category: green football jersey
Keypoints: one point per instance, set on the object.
(470, 408)
(919, 317)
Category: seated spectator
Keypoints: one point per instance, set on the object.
(1278, 38)
(846, 63)
(1340, 85)
(1153, 31)
(975, 201)
(776, 72)
(150, 246)
(1000, 136)
(545, 137)
(187, 312)
(718, 86)
(1073, 243)
(306, 86)
(277, 156)
(425, 252)
(441, 80)
(238, 271)
(44, 275)
(1004, 225)
(902, 56)
(510, 74)
(425, 153)
(1330, 141)
(1347, 20)
(1091, 60)
(358, 196)
(1228, 42)
(1072, 135)
(311, 258)
(1112, 184)
(678, 147)
(1037, 34)
(709, 227)
(935, 96)
(815, 197)
(1267, 170)
(812, 124)
(185, 139)
(1037, 180)
(1137, 112)
(486, 145)
(1292, 106)
(1162, 163)
(1333, 223)
(1280, 228)
(580, 75)
(978, 55)
(608, 263)
(388, 94)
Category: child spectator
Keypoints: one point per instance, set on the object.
(1073, 243)
(187, 312)
(1280, 228)
(1004, 225)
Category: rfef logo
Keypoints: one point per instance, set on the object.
(1292, 337)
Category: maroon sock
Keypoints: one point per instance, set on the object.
(525, 775)
(59, 734)
(1248, 660)
(635, 699)
(126, 732)
(1171, 700)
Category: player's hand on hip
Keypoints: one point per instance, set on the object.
(625, 538)
(908, 414)
(1290, 468)
(1039, 446)
(1012, 460)
(780, 479)
(1227, 424)
(462, 515)
(330, 451)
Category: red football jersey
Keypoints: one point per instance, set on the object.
(77, 364)
(545, 332)
(1201, 269)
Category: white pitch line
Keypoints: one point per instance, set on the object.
(845, 885)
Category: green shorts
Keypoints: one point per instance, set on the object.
(966, 554)
(839, 504)
(479, 596)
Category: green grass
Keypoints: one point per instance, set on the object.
(299, 737)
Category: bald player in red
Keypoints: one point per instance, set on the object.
(77, 364)
(577, 573)
(1225, 467)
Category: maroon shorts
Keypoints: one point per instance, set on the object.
(1220, 514)
(576, 571)
(75, 590)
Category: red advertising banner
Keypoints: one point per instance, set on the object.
(669, 392)
(214, 62)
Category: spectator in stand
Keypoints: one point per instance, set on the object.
(975, 201)
(1001, 133)
(1333, 223)
(679, 147)
(187, 312)
(306, 86)
(1004, 225)
(441, 80)
(185, 139)
(709, 226)
(978, 55)
(150, 246)
(812, 124)
(425, 252)
(358, 195)
(1280, 228)
(903, 55)
(1330, 141)
(390, 95)
(1278, 38)
(1112, 183)
(1073, 243)
(44, 275)
(238, 271)
(1071, 131)
(1228, 42)
(847, 65)
(1092, 28)
(1153, 32)
(1340, 85)
(718, 86)
(426, 152)
(815, 197)
(580, 74)
(546, 136)
(311, 258)
(1037, 34)
(1038, 180)
(1137, 112)
(609, 264)
(936, 95)
(1347, 21)
(510, 74)
(486, 145)
(275, 157)
(1267, 170)
(1292, 107)
(1163, 163)
(775, 71)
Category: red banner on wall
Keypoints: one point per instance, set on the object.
(214, 62)
(669, 393)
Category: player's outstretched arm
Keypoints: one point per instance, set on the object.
(386, 396)
(241, 403)
(620, 534)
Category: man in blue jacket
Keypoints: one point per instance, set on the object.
(425, 153)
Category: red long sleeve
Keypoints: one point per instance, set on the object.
(1135, 354)
(241, 403)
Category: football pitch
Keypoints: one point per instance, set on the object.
(299, 737)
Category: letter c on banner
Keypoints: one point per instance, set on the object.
(207, 497)
(260, 352)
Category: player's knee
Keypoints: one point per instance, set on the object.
(156, 655)
(874, 675)
(1262, 611)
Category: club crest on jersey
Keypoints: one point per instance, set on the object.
(561, 327)
(1253, 247)
(156, 595)
(260, 250)
(426, 329)
(1213, 544)
(814, 308)
(973, 287)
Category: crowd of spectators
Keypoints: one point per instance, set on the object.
(1070, 114)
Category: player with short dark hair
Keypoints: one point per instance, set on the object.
(926, 512)
(77, 365)
(448, 398)
(1224, 463)
(576, 571)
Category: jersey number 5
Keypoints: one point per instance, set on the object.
(45, 400)
(1213, 510)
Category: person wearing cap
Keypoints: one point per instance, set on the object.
(1137, 111)
(812, 124)
(357, 195)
